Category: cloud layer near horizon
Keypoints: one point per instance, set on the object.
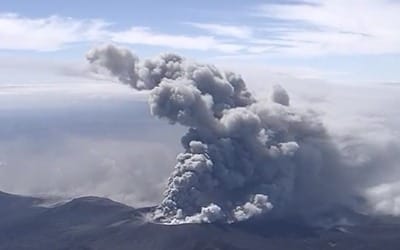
(64, 144)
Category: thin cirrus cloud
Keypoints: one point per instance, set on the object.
(145, 36)
(313, 27)
(55, 33)
(294, 28)
(335, 27)
(47, 34)
(241, 32)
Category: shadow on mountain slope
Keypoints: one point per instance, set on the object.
(98, 223)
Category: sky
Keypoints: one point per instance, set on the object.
(65, 132)
(351, 41)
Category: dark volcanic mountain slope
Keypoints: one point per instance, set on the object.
(15, 208)
(98, 223)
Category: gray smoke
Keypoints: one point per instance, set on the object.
(279, 95)
(241, 157)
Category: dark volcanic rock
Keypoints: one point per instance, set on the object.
(98, 223)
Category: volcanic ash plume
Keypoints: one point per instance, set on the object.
(241, 157)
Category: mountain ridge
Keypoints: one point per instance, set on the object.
(100, 223)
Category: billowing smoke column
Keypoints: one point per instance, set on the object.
(241, 157)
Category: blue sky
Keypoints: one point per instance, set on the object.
(338, 40)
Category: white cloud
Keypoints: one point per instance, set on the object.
(385, 198)
(46, 34)
(302, 29)
(224, 30)
(54, 33)
(144, 35)
(336, 27)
